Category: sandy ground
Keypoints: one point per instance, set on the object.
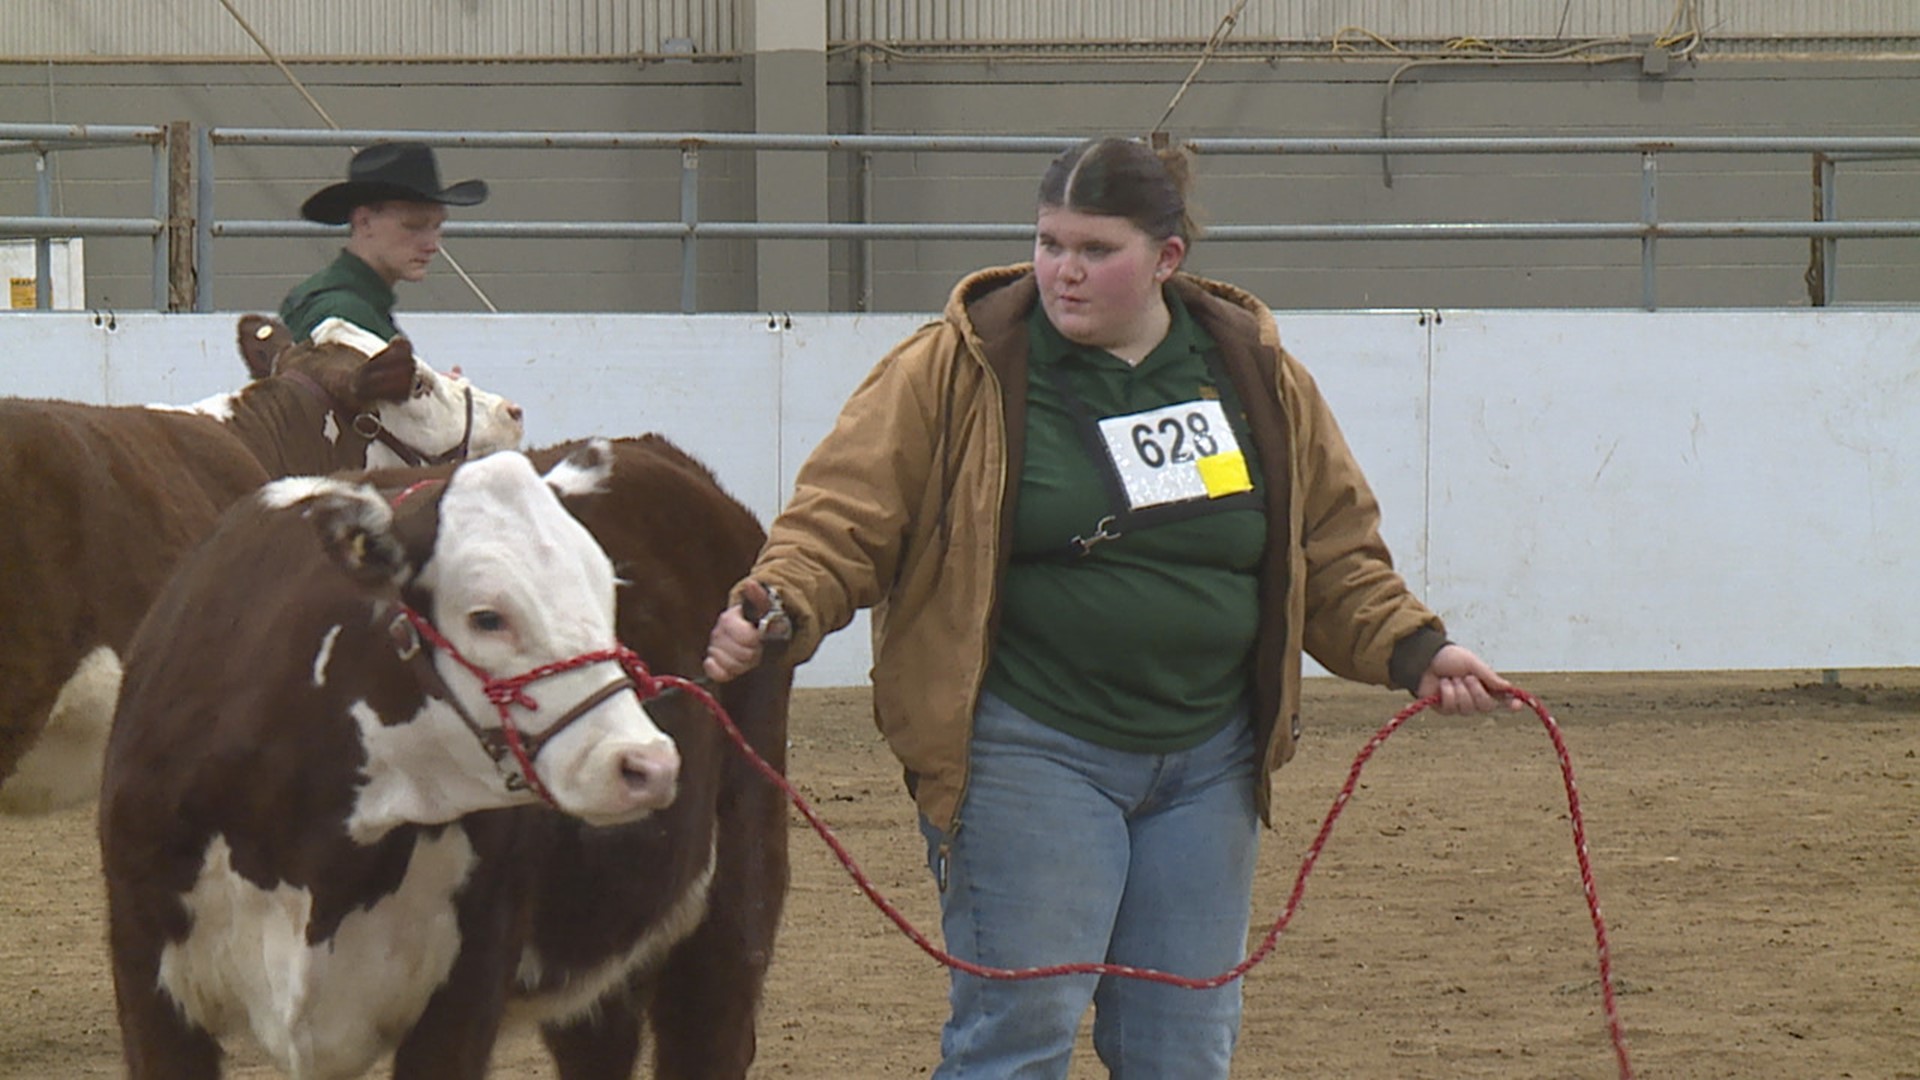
(1753, 839)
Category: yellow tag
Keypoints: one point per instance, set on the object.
(1225, 474)
(21, 292)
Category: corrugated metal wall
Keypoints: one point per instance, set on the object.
(364, 29)
(491, 29)
(1317, 21)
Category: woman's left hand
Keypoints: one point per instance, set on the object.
(1463, 683)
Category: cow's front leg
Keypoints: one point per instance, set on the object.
(454, 1036)
(601, 1044)
(705, 1013)
(159, 1043)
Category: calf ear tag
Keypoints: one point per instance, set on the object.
(355, 528)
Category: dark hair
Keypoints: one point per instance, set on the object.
(1123, 178)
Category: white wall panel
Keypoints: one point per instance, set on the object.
(1677, 490)
(1574, 490)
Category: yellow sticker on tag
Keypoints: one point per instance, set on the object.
(1225, 474)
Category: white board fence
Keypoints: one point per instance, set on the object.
(1574, 490)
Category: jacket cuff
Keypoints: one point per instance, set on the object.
(1412, 655)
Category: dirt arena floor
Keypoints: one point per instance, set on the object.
(1753, 839)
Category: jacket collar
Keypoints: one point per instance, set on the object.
(991, 307)
(1234, 319)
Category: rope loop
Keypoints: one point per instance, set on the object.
(1266, 946)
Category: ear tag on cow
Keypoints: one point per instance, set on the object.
(406, 639)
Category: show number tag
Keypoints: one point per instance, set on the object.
(1176, 453)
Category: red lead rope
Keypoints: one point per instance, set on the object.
(1293, 899)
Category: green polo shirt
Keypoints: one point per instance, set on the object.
(1142, 644)
(348, 289)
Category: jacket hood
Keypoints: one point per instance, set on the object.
(984, 303)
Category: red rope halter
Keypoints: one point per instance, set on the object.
(505, 693)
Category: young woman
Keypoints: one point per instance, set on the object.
(1099, 512)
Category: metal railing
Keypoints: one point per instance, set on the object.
(689, 229)
(1823, 231)
(41, 140)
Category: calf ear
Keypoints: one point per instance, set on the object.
(387, 375)
(587, 470)
(356, 529)
(262, 340)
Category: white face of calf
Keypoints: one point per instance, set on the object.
(518, 583)
(433, 419)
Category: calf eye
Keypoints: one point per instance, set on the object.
(486, 621)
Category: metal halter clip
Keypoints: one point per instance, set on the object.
(406, 639)
(1083, 545)
(774, 625)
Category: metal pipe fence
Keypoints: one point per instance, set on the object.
(1824, 229)
(43, 226)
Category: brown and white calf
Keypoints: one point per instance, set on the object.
(98, 503)
(294, 821)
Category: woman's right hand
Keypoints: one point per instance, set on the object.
(733, 648)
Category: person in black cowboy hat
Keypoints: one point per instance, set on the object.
(393, 200)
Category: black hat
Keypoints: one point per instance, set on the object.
(393, 170)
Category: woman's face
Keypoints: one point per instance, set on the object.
(1100, 275)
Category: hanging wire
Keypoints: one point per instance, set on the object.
(1684, 26)
(1220, 33)
(297, 85)
(1682, 29)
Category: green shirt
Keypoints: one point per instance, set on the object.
(1143, 643)
(347, 289)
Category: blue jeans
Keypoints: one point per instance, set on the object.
(1067, 852)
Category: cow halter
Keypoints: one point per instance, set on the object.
(376, 431)
(409, 628)
(368, 426)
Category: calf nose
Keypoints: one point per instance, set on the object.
(651, 774)
(514, 411)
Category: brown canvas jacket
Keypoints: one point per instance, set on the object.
(905, 507)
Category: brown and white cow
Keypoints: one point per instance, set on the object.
(292, 827)
(97, 504)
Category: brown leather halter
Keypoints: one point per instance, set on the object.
(368, 426)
